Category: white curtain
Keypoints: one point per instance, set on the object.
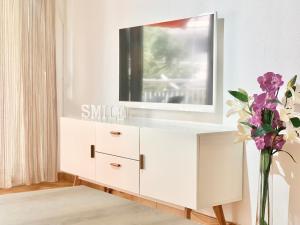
(28, 111)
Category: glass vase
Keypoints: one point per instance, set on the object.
(264, 214)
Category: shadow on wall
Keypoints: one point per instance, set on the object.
(243, 212)
(286, 186)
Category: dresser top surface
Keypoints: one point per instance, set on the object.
(183, 126)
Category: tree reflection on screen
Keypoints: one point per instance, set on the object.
(169, 62)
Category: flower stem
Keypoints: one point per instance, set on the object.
(265, 165)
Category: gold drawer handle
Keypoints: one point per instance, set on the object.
(115, 165)
(115, 133)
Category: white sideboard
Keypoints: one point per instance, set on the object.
(187, 164)
(76, 138)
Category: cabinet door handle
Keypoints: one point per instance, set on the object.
(92, 151)
(115, 165)
(115, 133)
(142, 162)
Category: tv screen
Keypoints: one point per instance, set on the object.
(169, 62)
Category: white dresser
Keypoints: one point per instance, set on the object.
(191, 165)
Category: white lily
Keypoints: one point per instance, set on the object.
(235, 107)
(285, 114)
(238, 107)
(291, 134)
(288, 109)
(244, 133)
(295, 99)
(297, 95)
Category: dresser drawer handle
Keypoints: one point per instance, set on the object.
(115, 133)
(115, 165)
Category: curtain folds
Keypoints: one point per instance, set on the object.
(28, 110)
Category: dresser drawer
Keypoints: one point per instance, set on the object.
(118, 140)
(117, 172)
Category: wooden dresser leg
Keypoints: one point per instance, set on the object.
(219, 214)
(75, 181)
(109, 190)
(187, 213)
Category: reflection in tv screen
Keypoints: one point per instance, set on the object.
(168, 62)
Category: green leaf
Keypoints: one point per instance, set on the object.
(243, 91)
(264, 129)
(268, 117)
(251, 107)
(248, 124)
(239, 95)
(280, 129)
(292, 82)
(295, 121)
(288, 93)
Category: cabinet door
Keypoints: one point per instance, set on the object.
(76, 138)
(170, 166)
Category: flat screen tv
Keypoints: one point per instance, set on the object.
(169, 65)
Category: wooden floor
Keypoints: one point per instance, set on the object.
(35, 187)
(66, 180)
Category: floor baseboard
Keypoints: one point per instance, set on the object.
(35, 187)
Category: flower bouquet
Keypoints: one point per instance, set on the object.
(270, 122)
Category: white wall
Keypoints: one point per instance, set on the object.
(259, 36)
